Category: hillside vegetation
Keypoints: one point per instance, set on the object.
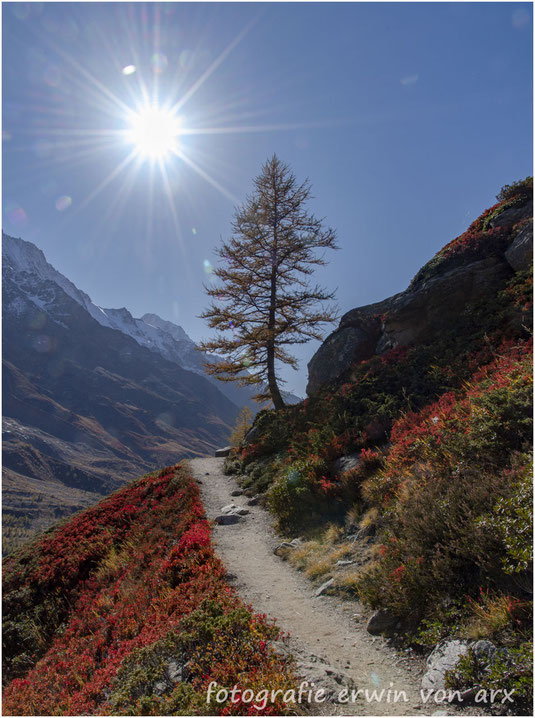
(432, 501)
(124, 610)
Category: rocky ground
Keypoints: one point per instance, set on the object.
(328, 636)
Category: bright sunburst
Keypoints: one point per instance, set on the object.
(154, 132)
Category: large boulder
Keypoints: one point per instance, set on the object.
(338, 351)
(409, 317)
(382, 622)
(443, 658)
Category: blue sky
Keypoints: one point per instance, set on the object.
(406, 117)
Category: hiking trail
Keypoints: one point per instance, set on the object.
(325, 631)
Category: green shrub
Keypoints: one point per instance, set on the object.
(291, 498)
(510, 670)
(512, 519)
(520, 188)
(232, 465)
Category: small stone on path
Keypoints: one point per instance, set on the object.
(228, 519)
(324, 586)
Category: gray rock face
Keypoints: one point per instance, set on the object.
(283, 548)
(174, 673)
(345, 463)
(382, 622)
(520, 253)
(251, 435)
(340, 349)
(220, 453)
(436, 305)
(412, 316)
(355, 340)
(443, 658)
(511, 216)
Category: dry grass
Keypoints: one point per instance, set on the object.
(318, 557)
(114, 560)
(353, 515)
(370, 518)
(303, 555)
(332, 535)
(344, 551)
(494, 614)
(318, 568)
(347, 582)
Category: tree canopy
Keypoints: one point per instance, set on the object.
(264, 300)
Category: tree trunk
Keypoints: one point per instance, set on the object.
(274, 390)
(276, 397)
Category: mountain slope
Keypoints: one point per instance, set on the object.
(87, 401)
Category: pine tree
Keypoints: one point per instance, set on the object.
(264, 300)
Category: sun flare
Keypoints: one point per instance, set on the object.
(154, 132)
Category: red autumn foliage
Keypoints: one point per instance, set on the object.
(127, 571)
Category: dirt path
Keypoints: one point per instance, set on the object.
(323, 629)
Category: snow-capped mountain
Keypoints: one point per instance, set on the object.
(36, 278)
(28, 263)
(171, 342)
(25, 260)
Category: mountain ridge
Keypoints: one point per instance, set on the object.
(150, 331)
(109, 407)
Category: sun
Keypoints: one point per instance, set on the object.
(154, 132)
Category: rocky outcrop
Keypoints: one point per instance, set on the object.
(355, 340)
(440, 292)
(436, 305)
(509, 216)
(520, 253)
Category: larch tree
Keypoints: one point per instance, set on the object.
(264, 300)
